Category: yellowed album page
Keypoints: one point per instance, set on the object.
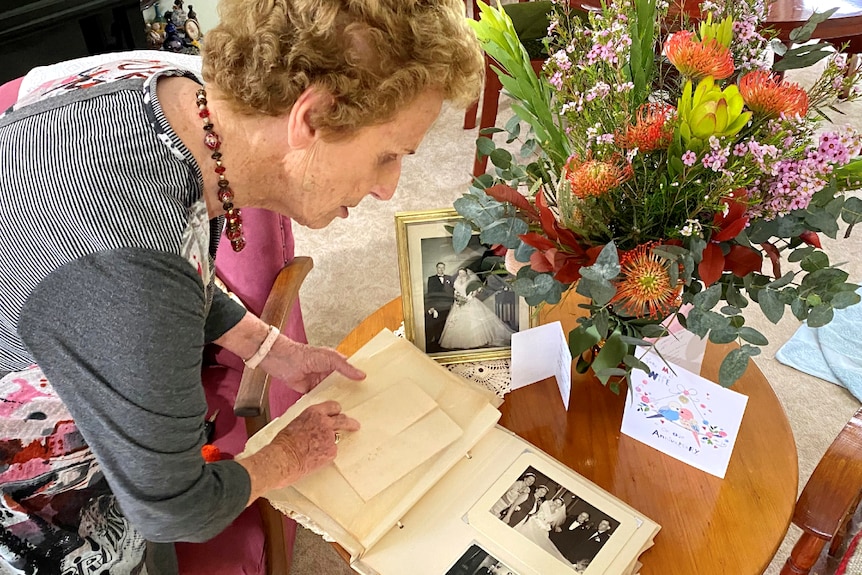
(357, 512)
(458, 514)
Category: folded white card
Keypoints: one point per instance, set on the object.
(539, 353)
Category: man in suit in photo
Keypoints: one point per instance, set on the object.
(439, 297)
(567, 537)
(592, 544)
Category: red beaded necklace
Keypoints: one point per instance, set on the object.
(232, 215)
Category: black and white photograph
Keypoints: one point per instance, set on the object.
(457, 306)
(477, 561)
(554, 518)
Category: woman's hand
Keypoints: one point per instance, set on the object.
(302, 366)
(299, 365)
(306, 444)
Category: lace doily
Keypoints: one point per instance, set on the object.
(492, 374)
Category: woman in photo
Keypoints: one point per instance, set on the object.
(537, 527)
(517, 493)
(470, 323)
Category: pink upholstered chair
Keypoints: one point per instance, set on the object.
(266, 278)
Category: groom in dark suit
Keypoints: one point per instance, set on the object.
(439, 296)
(592, 544)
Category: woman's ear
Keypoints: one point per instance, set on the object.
(301, 128)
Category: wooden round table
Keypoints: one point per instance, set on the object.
(710, 526)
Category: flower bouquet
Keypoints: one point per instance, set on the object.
(666, 163)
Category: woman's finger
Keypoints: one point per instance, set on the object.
(344, 422)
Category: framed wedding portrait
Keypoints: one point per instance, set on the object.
(458, 307)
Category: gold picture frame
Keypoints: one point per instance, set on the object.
(424, 242)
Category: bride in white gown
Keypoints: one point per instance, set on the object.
(470, 323)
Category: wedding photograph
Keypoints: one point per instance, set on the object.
(457, 306)
(556, 519)
(477, 561)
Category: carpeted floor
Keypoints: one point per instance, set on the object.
(356, 272)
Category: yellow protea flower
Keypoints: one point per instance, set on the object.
(709, 111)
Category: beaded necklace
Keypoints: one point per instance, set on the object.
(232, 215)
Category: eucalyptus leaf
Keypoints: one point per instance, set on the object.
(851, 213)
(501, 158)
(771, 305)
(782, 281)
(485, 146)
(709, 298)
(653, 330)
(800, 254)
(735, 298)
(610, 356)
(581, 339)
(461, 235)
(820, 315)
(723, 335)
(733, 366)
(844, 299)
(751, 335)
(701, 321)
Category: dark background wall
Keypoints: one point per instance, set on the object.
(39, 32)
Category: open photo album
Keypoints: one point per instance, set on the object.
(432, 485)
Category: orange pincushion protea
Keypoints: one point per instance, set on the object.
(697, 60)
(652, 130)
(769, 95)
(592, 178)
(645, 288)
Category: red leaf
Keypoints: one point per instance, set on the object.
(549, 222)
(538, 241)
(569, 270)
(593, 254)
(810, 238)
(742, 260)
(711, 265)
(773, 254)
(540, 262)
(729, 229)
(567, 238)
(504, 193)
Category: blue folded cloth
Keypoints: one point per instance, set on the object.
(832, 352)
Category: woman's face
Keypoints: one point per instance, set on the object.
(335, 176)
(462, 273)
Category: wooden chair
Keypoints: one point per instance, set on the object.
(829, 500)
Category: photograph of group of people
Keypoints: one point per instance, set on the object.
(466, 304)
(557, 520)
(477, 561)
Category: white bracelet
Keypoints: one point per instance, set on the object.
(264, 348)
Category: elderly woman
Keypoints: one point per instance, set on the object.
(115, 185)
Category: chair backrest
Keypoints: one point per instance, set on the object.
(250, 275)
(9, 93)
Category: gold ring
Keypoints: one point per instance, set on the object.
(337, 437)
